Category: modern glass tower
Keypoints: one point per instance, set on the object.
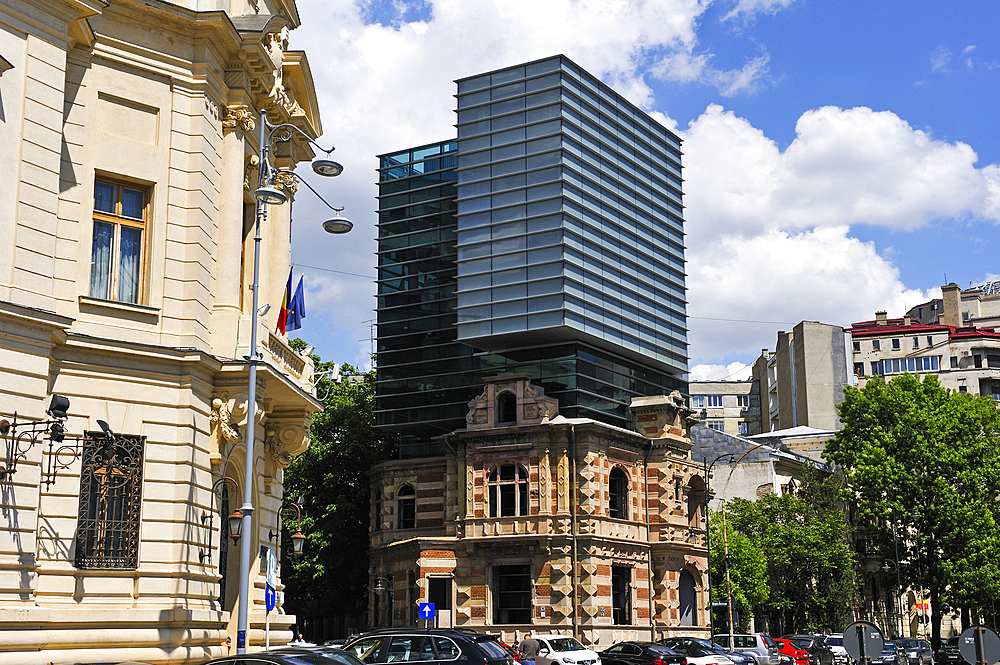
(560, 253)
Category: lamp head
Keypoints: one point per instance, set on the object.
(338, 225)
(270, 195)
(58, 407)
(298, 543)
(235, 524)
(327, 167)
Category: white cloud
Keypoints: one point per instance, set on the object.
(735, 371)
(686, 67)
(940, 59)
(845, 167)
(749, 8)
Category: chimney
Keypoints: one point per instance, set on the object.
(906, 321)
(951, 295)
(880, 318)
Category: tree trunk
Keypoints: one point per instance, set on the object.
(935, 619)
(966, 619)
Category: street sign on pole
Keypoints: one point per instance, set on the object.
(862, 641)
(979, 645)
(426, 610)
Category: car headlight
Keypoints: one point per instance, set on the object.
(569, 660)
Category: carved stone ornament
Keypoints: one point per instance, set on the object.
(249, 171)
(222, 416)
(239, 117)
(287, 182)
(273, 445)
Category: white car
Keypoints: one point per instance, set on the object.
(563, 650)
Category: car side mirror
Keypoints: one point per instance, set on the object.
(543, 650)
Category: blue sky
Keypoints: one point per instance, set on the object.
(840, 157)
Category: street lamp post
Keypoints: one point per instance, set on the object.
(708, 537)
(265, 194)
(383, 584)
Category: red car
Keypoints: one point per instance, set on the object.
(788, 647)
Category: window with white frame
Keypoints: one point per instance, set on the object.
(743, 400)
(117, 257)
(715, 400)
(697, 401)
(717, 425)
(508, 491)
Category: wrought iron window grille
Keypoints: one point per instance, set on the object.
(110, 498)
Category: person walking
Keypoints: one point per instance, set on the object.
(529, 649)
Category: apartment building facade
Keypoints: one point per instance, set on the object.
(732, 407)
(129, 139)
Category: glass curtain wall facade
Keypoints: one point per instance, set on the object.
(570, 221)
(548, 239)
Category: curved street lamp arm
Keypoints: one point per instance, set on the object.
(306, 183)
(289, 128)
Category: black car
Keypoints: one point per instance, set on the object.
(948, 653)
(891, 655)
(428, 645)
(697, 648)
(918, 652)
(819, 652)
(641, 653)
(291, 655)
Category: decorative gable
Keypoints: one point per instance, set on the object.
(509, 400)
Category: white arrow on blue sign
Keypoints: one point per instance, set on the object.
(426, 610)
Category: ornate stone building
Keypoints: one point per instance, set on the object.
(528, 505)
(128, 131)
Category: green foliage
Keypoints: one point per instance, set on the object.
(803, 540)
(747, 570)
(923, 470)
(332, 477)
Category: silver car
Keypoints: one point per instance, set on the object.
(759, 645)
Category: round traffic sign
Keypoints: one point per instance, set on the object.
(863, 634)
(987, 652)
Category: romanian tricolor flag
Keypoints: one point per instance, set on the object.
(285, 305)
(293, 307)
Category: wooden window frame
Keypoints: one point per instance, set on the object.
(119, 220)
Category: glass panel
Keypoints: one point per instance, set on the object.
(131, 253)
(104, 197)
(100, 260)
(132, 203)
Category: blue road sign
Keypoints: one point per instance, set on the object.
(426, 610)
(269, 597)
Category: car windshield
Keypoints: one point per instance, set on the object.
(803, 644)
(493, 649)
(889, 646)
(910, 644)
(564, 644)
(768, 641)
(835, 641)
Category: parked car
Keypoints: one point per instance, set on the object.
(761, 646)
(891, 655)
(641, 653)
(556, 649)
(819, 652)
(698, 652)
(836, 643)
(788, 648)
(948, 653)
(428, 645)
(291, 655)
(918, 652)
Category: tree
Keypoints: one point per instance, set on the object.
(803, 538)
(331, 477)
(923, 470)
(747, 571)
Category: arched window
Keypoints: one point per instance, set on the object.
(506, 407)
(696, 496)
(508, 487)
(618, 494)
(406, 508)
(686, 594)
